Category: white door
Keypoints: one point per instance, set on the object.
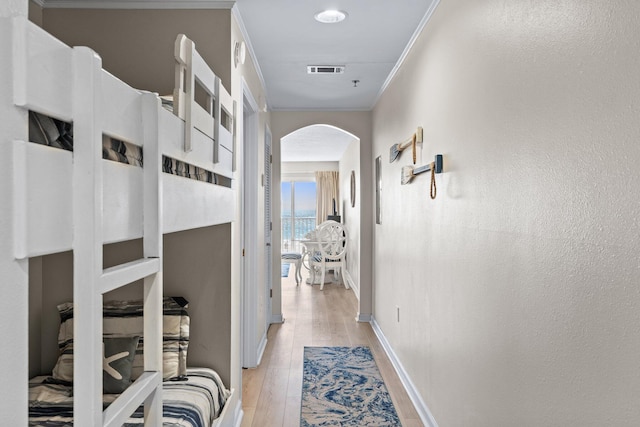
(252, 329)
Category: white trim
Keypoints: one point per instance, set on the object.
(246, 92)
(298, 176)
(354, 287)
(231, 414)
(238, 416)
(262, 347)
(363, 318)
(407, 49)
(138, 4)
(40, 3)
(247, 41)
(249, 197)
(268, 229)
(412, 391)
(285, 110)
(277, 318)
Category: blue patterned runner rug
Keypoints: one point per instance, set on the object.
(342, 386)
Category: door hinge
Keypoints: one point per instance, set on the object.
(270, 293)
(242, 251)
(270, 158)
(271, 226)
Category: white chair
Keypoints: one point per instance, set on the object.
(331, 237)
(294, 258)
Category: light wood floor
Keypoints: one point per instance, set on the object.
(271, 393)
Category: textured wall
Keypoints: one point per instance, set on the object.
(518, 285)
(306, 170)
(349, 162)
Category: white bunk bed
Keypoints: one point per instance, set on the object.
(59, 200)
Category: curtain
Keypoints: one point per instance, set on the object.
(327, 193)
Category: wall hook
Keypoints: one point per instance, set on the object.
(396, 149)
(409, 172)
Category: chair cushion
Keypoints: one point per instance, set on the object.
(291, 255)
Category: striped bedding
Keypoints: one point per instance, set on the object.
(180, 168)
(196, 402)
(56, 133)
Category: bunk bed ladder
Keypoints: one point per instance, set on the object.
(91, 281)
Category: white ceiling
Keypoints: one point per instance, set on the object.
(318, 143)
(371, 42)
(284, 38)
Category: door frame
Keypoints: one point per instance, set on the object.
(268, 218)
(250, 345)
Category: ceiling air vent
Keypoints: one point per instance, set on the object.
(325, 69)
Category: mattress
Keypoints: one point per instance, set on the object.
(194, 402)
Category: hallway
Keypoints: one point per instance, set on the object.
(271, 393)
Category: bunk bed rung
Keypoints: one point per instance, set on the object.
(120, 275)
(121, 409)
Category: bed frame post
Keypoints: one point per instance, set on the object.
(217, 112)
(87, 237)
(185, 83)
(14, 309)
(152, 249)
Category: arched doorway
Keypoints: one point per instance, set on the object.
(357, 125)
(304, 153)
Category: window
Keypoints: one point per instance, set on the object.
(298, 207)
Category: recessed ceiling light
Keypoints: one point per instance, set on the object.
(330, 16)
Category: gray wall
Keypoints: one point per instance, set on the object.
(137, 45)
(35, 13)
(197, 266)
(518, 285)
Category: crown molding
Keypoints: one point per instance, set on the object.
(134, 4)
(247, 41)
(322, 110)
(38, 2)
(405, 53)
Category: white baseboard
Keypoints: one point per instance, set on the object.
(414, 395)
(363, 318)
(277, 318)
(239, 415)
(232, 413)
(261, 348)
(354, 287)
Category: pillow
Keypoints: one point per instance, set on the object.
(124, 319)
(121, 151)
(49, 131)
(117, 361)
